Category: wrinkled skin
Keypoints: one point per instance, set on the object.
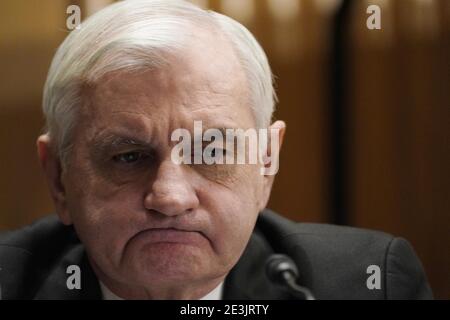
(154, 229)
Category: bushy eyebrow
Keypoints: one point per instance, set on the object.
(112, 140)
(115, 140)
(221, 129)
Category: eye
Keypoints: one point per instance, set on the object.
(219, 152)
(130, 157)
(214, 155)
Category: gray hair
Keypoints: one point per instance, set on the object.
(133, 35)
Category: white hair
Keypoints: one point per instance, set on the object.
(133, 35)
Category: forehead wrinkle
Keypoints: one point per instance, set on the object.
(231, 104)
(135, 113)
(205, 93)
(122, 90)
(134, 128)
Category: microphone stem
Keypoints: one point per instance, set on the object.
(295, 288)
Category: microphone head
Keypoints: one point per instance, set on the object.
(277, 265)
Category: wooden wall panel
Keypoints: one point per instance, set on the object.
(400, 125)
(30, 31)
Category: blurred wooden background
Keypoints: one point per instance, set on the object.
(393, 126)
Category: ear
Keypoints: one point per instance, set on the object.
(276, 131)
(52, 168)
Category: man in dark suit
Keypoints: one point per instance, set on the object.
(150, 205)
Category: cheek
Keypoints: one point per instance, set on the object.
(105, 216)
(92, 189)
(233, 212)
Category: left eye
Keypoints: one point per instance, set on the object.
(218, 152)
(129, 157)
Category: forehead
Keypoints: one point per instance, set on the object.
(204, 81)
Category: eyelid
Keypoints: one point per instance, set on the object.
(140, 151)
(141, 156)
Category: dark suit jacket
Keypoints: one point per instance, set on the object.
(332, 262)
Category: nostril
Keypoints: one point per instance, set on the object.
(154, 212)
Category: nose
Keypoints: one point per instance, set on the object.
(171, 193)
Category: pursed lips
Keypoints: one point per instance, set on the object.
(170, 235)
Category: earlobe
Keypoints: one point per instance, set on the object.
(52, 169)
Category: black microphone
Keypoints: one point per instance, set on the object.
(281, 270)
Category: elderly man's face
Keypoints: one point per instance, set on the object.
(145, 220)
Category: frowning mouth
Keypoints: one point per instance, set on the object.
(170, 235)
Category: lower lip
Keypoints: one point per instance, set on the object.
(170, 236)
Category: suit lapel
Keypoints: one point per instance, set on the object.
(247, 280)
(55, 287)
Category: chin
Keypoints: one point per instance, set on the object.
(169, 263)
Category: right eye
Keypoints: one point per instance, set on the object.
(130, 157)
